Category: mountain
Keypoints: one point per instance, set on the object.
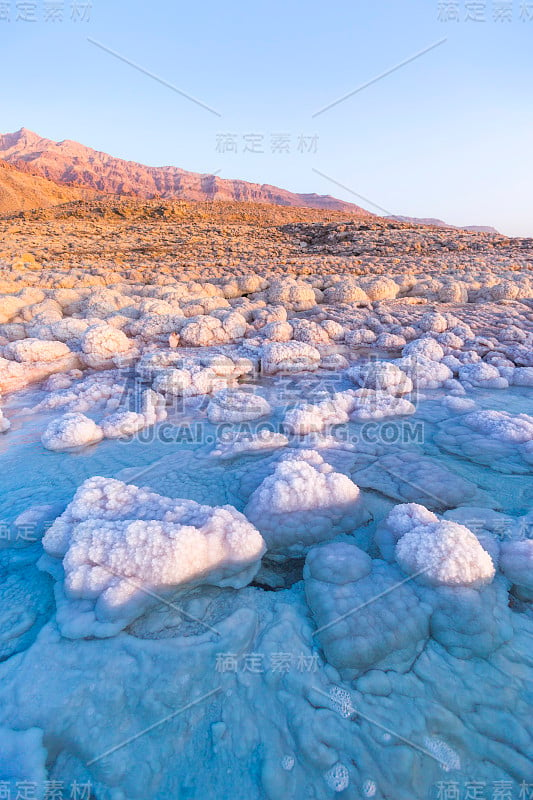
(72, 164)
(21, 191)
(439, 223)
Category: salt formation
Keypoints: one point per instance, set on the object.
(445, 554)
(407, 477)
(127, 423)
(202, 331)
(372, 404)
(308, 418)
(498, 438)
(381, 375)
(403, 518)
(235, 406)
(343, 586)
(4, 423)
(101, 344)
(25, 605)
(22, 761)
(302, 502)
(31, 350)
(289, 357)
(358, 405)
(71, 430)
(264, 440)
(516, 563)
(190, 377)
(122, 548)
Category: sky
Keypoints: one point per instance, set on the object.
(437, 118)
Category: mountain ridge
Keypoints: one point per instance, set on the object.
(70, 165)
(73, 164)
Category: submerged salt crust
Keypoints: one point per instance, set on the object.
(307, 599)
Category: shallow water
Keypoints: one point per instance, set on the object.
(396, 731)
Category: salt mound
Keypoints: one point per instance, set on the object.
(32, 350)
(351, 597)
(71, 430)
(304, 502)
(101, 343)
(446, 554)
(289, 357)
(501, 425)
(381, 375)
(403, 518)
(236, 406)
(123, 548)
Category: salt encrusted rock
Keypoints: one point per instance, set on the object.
(202, 331)
(292, 293)
(444, 554)
(455, 292)
(372, 404)
(305, 330)
(433, 322)
(117, 549)
(304, 501)
(350, 597)
(69, 330)
(334, 361)
(360, 336)
(4, 423)
(501, 425)
(516, 563)
(380, 288)
(289, 357)
(172, 373)
(345, 292)
(127, 423)
(425, 373)
(390, 341)
(483, 376)
(460, 622)
(381, 375)
(100, 344)
(522, 376)
(35, 350)
(271, 313)
(71, 430)
(277, 331)
(10, 305)
(236, 406)
(155, 326)
(95, 391)
(334, 330)
(45, 312)
(403, 518)
(309, 418)
(15, 375)
(424, 348)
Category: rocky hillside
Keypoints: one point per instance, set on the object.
(20, 191)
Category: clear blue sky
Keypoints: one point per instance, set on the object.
(448, 135)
